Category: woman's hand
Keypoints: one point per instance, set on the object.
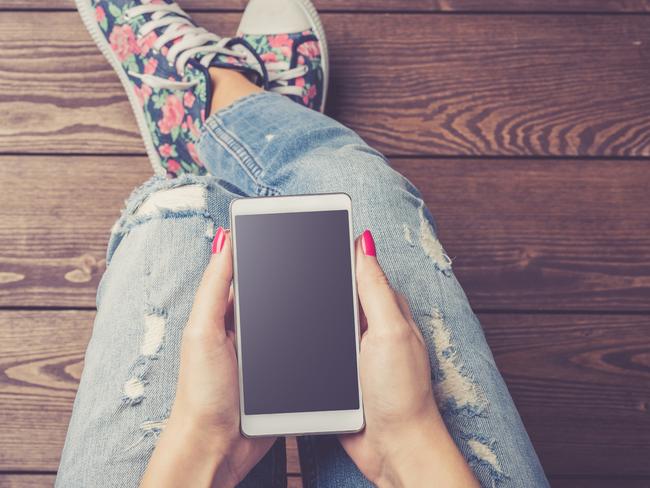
(405, 442)
(201, 444)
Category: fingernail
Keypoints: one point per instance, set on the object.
(368, 243)
(218, 241)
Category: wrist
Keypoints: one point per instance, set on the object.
(409, 457)
(187, 445)
(425, 451)
(188, 432)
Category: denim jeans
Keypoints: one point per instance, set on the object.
(267, 145)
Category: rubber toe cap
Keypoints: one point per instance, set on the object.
(274, 17)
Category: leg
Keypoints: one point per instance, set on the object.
(157, 254)
(268, 145)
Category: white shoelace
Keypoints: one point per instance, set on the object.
(195, 40)
(280, 75)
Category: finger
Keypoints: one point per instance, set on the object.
(211, 299)
(378, 300)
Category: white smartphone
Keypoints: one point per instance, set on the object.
(296, 315)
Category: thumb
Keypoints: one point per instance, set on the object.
(378, 301)
(211, 299)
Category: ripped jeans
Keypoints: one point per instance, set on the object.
(267, 145)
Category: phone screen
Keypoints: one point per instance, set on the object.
(296, 312)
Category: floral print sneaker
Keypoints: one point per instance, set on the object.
(289, 37)
(162, 59)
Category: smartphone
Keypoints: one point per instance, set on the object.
(296, 315)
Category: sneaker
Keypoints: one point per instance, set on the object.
(162, 59)
(289, 37)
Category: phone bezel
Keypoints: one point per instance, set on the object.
(295, 423)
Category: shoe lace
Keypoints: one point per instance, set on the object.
(279, 75)
(192, 40)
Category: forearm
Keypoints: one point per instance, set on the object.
(427, 456)
(186, 456)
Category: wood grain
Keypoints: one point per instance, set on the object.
(524, 234)
(397, 5)
(582, 385)
(41, 357)
(56, 220)
(293, 458)
(294, 481)
(581, 382)
(561, 235)
(542, 85)
(26, 480)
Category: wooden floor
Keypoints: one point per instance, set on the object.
(526, 124)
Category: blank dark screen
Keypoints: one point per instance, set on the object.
(296, 312)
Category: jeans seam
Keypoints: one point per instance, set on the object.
(241, 154)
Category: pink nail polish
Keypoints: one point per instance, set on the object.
(218, 241)
(368, 243)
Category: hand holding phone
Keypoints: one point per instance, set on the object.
(201, 444)
(405, 441)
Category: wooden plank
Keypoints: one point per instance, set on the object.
(56, 220)
(524, 234)
(397, 5)
(40, 363)
(581, 383)
(26, 480)
(563, 85)
(293, 459)
(294, 482)
(560, 235)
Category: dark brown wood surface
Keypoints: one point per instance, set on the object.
(572, 6)
(444, 85)
(586, 376)
(26, 480)
(524, 234)
(526, 125)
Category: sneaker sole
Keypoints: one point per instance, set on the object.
(318, 28)
(88, 17)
